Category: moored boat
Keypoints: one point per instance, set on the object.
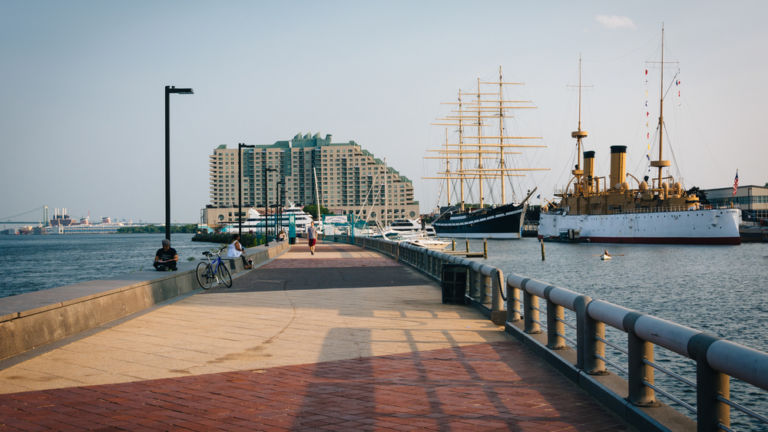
(655, 210)
(256, 222)
(481, 161)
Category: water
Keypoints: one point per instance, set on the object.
(38, 262)
(719, 289)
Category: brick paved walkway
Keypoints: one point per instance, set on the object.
(496, 386)
(400, 361)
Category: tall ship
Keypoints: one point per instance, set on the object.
(482, 160)
(657, 210)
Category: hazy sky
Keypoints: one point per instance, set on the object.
(81, 88)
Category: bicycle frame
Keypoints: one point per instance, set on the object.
(215, 273)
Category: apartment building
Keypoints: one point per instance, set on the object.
(346, 179)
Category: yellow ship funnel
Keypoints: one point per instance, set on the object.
(589, 164)
(589, 169)
(618, 166)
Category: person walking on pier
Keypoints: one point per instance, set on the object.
(235, 249)
(312, 237)
(166, 257)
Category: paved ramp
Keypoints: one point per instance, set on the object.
(341, 340)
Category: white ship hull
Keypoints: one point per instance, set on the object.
(711, 226)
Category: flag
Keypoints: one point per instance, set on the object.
(736, 183)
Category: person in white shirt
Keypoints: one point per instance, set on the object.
(235, 249)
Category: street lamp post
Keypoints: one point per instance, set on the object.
(168, 91)
(240, 147)
(266, 204)
(280, 193)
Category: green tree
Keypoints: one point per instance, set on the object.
(312, 209)
(154, 229)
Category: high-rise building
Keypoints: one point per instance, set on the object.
(347, 179)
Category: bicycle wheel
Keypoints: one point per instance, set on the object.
(204, 275)
(224, 275)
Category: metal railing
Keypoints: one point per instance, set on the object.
(716, 359)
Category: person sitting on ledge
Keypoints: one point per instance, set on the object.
(235, 249)
(166, 257)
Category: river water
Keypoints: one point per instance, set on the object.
(37, 262)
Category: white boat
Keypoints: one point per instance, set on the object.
(704, 226)
(428, 243)
(593, 208)
(404, 226)
(255, 221)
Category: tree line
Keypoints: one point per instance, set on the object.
(156, 229)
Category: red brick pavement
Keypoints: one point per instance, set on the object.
(300, 263)
(495, 386)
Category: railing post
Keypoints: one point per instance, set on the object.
(555, 326)
(710, 383)
(474, 285)
(531, 313)
(497, 281)
(640, 372)
(513, 302)
(498, 315)
(588, 335)
(640, 354)
(486, 284)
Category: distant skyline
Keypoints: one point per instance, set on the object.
(81, 89)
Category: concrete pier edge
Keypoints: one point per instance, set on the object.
(25, 330)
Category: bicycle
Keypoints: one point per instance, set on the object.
(213, 273)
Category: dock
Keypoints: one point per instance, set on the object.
(346, 339)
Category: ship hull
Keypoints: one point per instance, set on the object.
(708, 227)
(504, 222)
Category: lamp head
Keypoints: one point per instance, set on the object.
(172, 89)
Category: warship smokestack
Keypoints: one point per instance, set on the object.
(618, 166)
(589, 169)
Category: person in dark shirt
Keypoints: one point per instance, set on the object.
(166, 257)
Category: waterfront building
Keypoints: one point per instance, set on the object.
(347, 178)
(751, 199)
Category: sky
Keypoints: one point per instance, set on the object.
(82, 113)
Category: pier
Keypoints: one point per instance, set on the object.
(355, 337)
(346, 339)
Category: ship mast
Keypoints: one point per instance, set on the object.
(578, 134)
(501, 139)
(448, 154)
(660, 163)
(461, 155)
(488, 107)
(447, 171)
(480, 147)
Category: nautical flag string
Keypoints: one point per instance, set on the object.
(647, 117)
(736, 183)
